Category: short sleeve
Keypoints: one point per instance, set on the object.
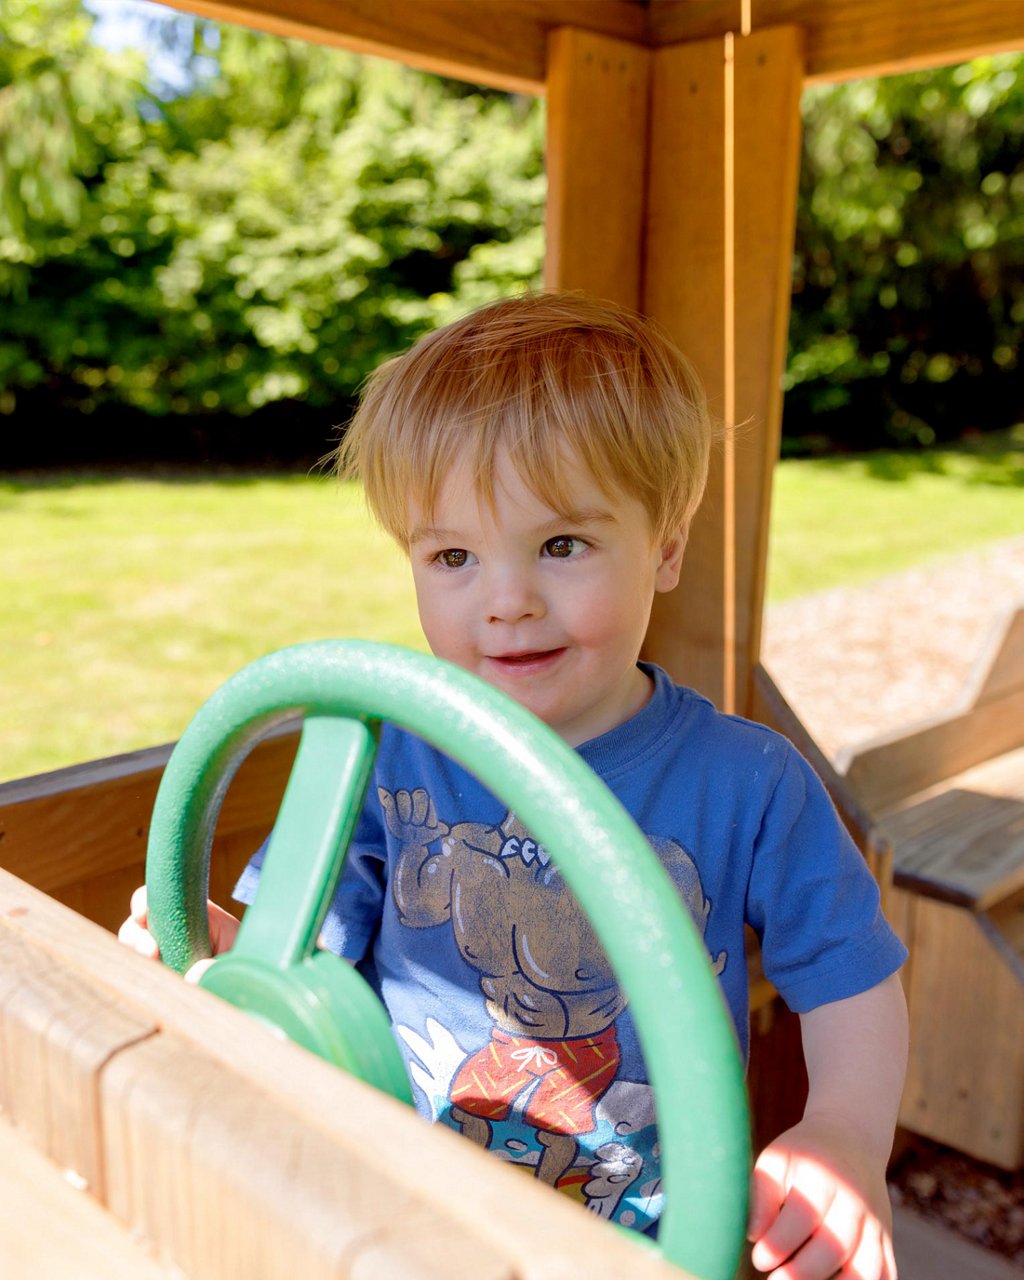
(355, 911)
(812, 900)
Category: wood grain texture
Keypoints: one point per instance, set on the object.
(964, 841)
(57, 1032)
(382, 1153)
(62, 831)
(965, 1081)
(597, 121)
(721, 199)
(847, 38)
(503, 42)
(52, 1231)
(490, 42)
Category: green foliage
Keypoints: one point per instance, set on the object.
(268, 236)
(908, 280)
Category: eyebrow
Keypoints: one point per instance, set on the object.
(557, 524)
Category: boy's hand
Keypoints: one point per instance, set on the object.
(820, 1207)
(135, 933)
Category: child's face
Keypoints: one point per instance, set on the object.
(551, 611)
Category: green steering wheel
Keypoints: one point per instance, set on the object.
(345, 689)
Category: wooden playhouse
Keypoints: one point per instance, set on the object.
(148, 1128)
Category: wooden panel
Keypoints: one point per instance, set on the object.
(899, 765)
(596, 161)
(56, 1033)
(769, 706)
(847, 38)
(224, 1180)
(965, 1081)
(51, 1231)
(502, 43)
(1001, 668)
(65, 828)
(396, 1155)
(1006, 921)
(722, 191)
(964, 842)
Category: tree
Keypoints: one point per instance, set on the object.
(908, 282)
(269, 235)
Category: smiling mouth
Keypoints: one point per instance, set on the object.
(534, 658)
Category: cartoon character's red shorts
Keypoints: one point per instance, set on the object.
(572, 1075)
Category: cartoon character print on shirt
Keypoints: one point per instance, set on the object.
(553, 1055)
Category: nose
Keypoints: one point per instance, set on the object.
(513, 595)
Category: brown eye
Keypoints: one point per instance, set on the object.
(453, 558)
(561, 547)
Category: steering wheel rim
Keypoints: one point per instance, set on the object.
(651, 941)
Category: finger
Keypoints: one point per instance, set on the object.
(404, 802)
(421, 806)
(809, 1198)
(223, 928)
(767, 1192)
(139, 940)
(868, 1259)
(139, 906)
(833, 1243)
(197, 970)
(890, 1257)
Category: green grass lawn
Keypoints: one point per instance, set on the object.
(128, 600)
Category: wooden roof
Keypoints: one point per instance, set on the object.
(504, 42)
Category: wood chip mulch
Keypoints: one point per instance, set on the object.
(979, 1202)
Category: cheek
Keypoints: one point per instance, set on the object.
(439, 618)
(607, 617)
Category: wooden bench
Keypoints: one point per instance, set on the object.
(948, 795)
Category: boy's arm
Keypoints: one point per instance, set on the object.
(819, 1196)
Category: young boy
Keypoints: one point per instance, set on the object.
(540, 460)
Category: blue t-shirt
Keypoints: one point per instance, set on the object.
(513, 1028)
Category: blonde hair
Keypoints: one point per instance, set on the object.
(547, 378)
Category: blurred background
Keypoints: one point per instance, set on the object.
(208, 238)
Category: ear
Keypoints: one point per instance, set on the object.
(667, 573)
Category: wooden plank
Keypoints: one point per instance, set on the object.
(597, 121)
(65, 828)
(965, 1080)
(721, 199)
(501, 43)
(57, 1031)
(1000, 670)
(224, 1179)
(847, 38)
(51, 1231)
(1005, 925)
(964, 841)
(899, 765)
(543, 1236)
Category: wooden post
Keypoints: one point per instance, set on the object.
(598, 102)
(723, 168)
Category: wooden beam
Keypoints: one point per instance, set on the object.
(598, 100)
(214, 1113)
(51, 1230)
(721, 207)
(848, 38)
(502, 43)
